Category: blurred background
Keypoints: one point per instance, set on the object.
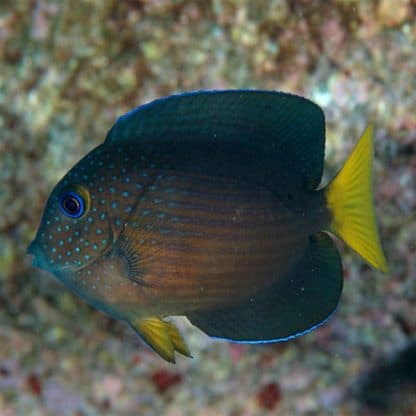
(69, 68)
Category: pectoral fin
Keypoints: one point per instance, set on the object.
(161, 336)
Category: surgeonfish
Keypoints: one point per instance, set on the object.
(209, 205)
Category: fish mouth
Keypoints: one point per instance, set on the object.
(40, 261)
(37, 255)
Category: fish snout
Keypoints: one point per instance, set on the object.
(31, 248)
(38, 257)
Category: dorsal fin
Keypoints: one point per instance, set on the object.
(288, 130)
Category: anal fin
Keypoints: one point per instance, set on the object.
(293, 306)
(162, 336)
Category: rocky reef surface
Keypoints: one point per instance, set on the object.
(68, 69)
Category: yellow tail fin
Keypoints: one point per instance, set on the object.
(350, 199)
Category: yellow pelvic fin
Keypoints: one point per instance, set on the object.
(162, 336)
(350, 199)
(177, 340)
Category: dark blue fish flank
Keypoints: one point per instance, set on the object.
(207, 205)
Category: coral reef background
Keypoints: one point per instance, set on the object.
(69, 68)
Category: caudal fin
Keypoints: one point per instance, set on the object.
(350, 199)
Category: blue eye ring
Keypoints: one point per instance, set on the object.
(72, 204)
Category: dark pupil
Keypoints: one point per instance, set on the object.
(71, 205)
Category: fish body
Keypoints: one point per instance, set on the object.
(207, 205)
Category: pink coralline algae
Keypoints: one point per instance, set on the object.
(269, 395)
(163, 380)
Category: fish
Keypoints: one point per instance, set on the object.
(209, 205)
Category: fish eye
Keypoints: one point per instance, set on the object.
(72, 204)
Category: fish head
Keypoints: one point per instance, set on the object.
(75, 228)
